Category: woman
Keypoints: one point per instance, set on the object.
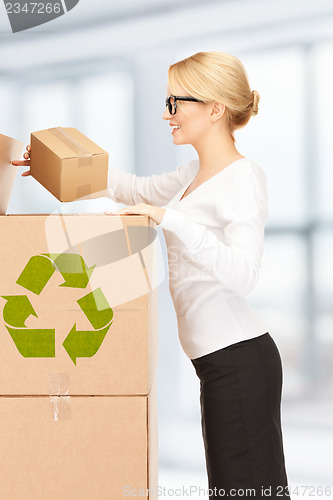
(213, 212)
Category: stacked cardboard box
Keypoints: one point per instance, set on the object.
(78, 356)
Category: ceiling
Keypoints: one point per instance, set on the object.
(87, 13)
(100, 29)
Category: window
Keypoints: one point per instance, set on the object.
(101, 107)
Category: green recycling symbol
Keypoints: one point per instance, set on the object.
(34, 343)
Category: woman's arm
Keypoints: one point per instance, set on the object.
(130, 189)
(155, 190)
(235, 263)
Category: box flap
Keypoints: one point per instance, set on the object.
(10, 149)
(67, 142)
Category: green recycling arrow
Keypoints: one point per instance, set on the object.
(36, 274)
(84, 344)
(31, 343)
(96, 308)
(34, 343)
(17, 310)
(72, 268)
(40, 268)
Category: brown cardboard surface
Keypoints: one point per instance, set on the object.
(68, 163)
(120, 248)
(153, 437)
(10, 149)
(95, 447)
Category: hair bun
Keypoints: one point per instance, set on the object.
(255, 102)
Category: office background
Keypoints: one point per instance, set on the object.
(103, 69)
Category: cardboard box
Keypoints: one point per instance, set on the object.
(78, 356)
(9, 150)
(121, 359)
(96, 447)
(67, 163)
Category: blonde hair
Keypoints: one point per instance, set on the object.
(219, 77)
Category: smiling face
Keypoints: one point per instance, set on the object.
(192, 121)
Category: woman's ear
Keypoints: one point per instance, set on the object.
(217, 111)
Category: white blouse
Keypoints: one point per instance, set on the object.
(215, 242)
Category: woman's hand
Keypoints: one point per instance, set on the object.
(155, 213)
(25, 163)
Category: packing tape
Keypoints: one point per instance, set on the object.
(58, 384)
(59, 400)
(84, 156)
(60, 408)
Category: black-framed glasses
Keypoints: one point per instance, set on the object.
(171, 102)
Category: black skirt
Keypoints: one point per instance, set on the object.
(240, 398)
